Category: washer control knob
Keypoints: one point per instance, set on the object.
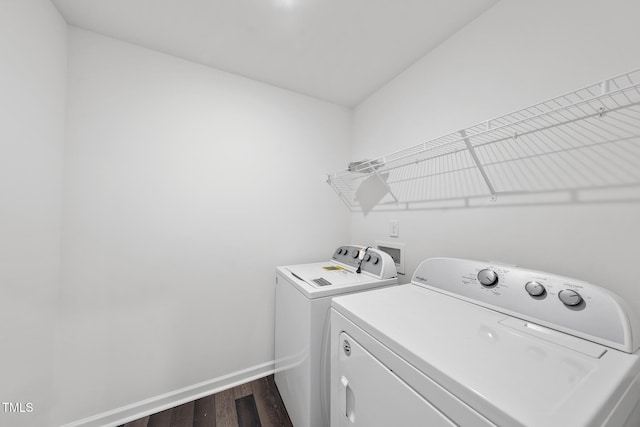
(375, 260)
(339, 251)
(355, 253)
(488, 277)
(569, 297)
(535, 289)
(367, 258)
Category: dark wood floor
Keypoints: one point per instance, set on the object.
(254, 404)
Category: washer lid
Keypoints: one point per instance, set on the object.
(329, 278)
(509, 375)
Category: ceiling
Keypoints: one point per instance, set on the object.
(336, 50)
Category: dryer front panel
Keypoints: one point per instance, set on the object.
(371, 395)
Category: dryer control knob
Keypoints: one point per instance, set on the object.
(569, 297)
(488, 277)
(375, 260)
(367, 258)
(356, 253)
(534, 289)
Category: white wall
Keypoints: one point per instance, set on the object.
(516, 54)
(32, 114)
(184, 188)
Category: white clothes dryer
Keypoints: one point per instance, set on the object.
(469, 343)
(303, 300)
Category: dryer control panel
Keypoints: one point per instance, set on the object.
(568, 305)
(369, 260)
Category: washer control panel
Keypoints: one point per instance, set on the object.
(369, 260)
(349, 255)
(561, 303)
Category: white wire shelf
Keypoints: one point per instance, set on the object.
(585, 139)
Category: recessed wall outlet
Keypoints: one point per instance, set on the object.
(396, 251)
(394, 228)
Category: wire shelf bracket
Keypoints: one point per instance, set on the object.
(487, 181)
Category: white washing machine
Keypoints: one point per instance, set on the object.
(303, 300)
(470, 343)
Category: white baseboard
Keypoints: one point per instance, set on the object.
(133, 411)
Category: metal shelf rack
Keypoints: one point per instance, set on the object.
(585, 139)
